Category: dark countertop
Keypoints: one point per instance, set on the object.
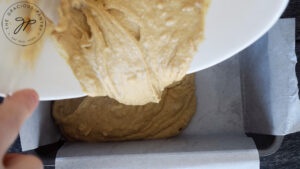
(288, 155)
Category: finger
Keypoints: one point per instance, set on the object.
(17, 161)
(13, 112)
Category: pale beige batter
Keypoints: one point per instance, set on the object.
(104, 119)
(130, 50)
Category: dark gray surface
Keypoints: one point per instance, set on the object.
(287, 157)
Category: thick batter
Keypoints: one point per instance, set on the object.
(104, 119)
(130, 50)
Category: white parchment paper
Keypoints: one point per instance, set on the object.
(208, 152)
(39, 129)
(269, 84)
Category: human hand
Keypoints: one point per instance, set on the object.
(13, 112)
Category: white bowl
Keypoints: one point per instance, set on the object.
(231, 26)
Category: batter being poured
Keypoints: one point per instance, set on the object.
(130, 50)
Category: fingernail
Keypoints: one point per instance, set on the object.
(30, 97)
(33, 97)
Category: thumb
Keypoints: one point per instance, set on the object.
(13, 112)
